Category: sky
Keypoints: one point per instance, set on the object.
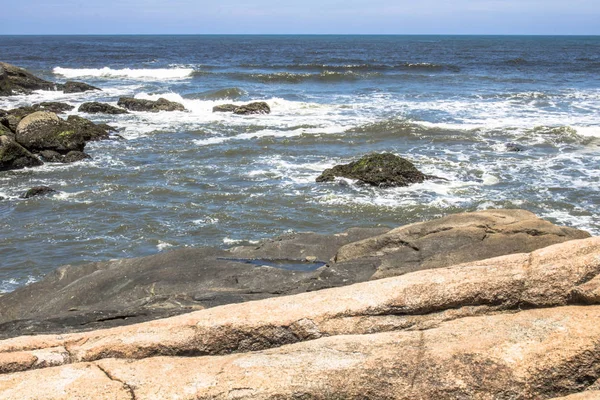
(536, 17)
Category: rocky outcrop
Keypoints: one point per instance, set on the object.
(38, 191)
(45, 131)
(126, 291)
(15, 80)
(161, 104)
(95, 107)
(77, 87)
(523, 326)
(225, 108)
(259, 107)
(382, 170)
(15, 156)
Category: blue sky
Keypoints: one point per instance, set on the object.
(574, 17)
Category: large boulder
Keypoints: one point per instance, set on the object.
(382, 170)
(126, 291)
(523, 326)
(15, 80)
(45, 131)
(95, 107)
(15, 156)
(76, 87)
(161, 104)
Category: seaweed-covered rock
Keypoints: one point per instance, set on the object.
(95, 107)
(161, 104)
(259, 107)
(15, 156)
(224, 108)
(89, 130)
(45, 131)
(383, 170)
(52, 106)
(15, 80)
(77, 87)
(38, 191)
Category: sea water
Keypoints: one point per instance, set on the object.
(450, 104)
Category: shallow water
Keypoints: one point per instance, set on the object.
(450, 104)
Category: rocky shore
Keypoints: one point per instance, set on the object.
(494, 304)
(522, 325)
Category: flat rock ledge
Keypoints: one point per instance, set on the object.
(127, 291)
(521, 326)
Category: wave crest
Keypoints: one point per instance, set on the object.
(106, 72)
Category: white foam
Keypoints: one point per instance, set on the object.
(144, 74)
(163, 245)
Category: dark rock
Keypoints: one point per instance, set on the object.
(53, 106)
(259, 107)
(89, 130)
(15, 80)
(224, 108)
(383, 170)
(514, 147)
(38, 191)
(77, 87)
(103, 108)
(55, 157)
(74, 156)
(45, 131)
(149, 105)
(15, 156)
(182, 280)
(51, 156)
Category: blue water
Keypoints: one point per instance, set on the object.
(451, 104)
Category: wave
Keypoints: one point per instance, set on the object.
(355, 67)
(145, 74)
(220, 94)
(294, 77)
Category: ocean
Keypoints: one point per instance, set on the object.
(453, 105)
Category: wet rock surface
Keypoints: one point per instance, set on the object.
(100, 108)
(161, 104)
(76, 87)
(517, 326)
(382, 170)
(15, 80)
(259, 107)
(126, 291)
(15, 156)
(38, 191)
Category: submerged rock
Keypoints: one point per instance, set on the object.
(77, 87)
(95, 107)
(383, 170)
(15, 156)
(151, 287)
(514, 147)
(15, 80)
(259, 107)
(161, 104)
(38, 191)
(52, 106)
